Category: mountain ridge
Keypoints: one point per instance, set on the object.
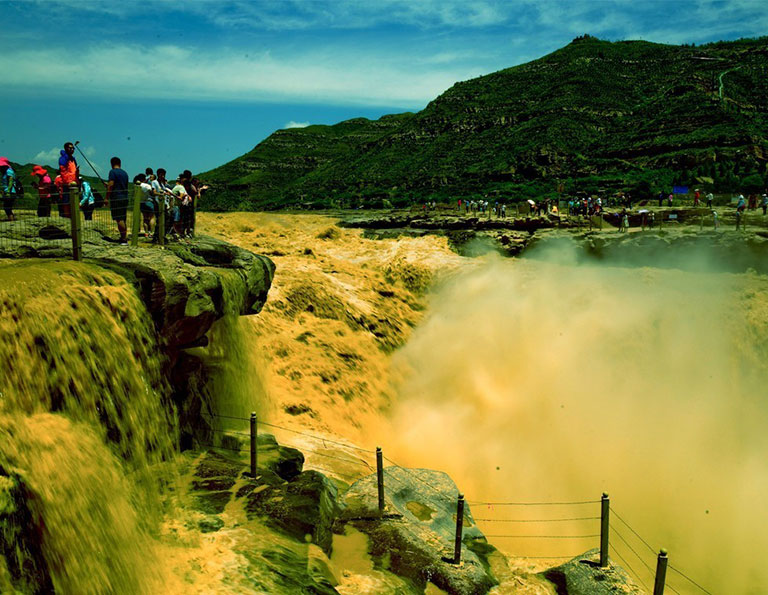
(593, 116)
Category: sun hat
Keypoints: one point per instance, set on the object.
(39, 170)
(4, 161)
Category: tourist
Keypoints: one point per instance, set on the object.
(710, 198)
(57, 183)
(716, 220)
(44, 190)
(669, 199)
(117, 198)
(147, 206)
(8, 188)
(764, 203)
(741, 205)
(661, 198)
(696, 197)
(182, 198)
(188, 209)
(69, 172)
(162, 193)
(87, 199)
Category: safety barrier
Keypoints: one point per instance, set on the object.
(29, 224)
(658, 576)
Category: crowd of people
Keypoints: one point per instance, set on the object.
(177, 200)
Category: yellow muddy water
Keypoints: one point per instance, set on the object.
(526, 381)
(82, 421)
(532, 381)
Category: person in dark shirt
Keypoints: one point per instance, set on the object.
(117, 197)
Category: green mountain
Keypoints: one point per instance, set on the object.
(594, 116)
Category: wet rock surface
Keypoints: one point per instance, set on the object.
(415, 537)
(304, 508)
(583, 576)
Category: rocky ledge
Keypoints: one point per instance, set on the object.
(185, 286)
(684, 242)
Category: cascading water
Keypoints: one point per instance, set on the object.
(84, 423)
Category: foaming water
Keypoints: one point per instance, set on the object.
(83, 421)
(536, 382)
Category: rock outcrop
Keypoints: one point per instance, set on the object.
(186, 286)
(584, 576)
(415, 537)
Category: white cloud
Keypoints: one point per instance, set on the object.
(297, 15)
(47, 157)
(293, 124)
(225, 74)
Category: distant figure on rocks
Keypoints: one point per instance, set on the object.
(741, 206)
(69, 172)
(661, 198)
(716, 220)
(710, 198)
(117, 198)
(669, 200)
(8, 188)
(696, 197)
(764, 203)
(45, 189)
(623, 221)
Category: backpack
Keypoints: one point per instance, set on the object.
(18, 187)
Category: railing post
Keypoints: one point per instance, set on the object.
(661, 572)
(136, 223)
(161, 221)
(74, 220)
(459, 529)
(605, 511)
(380, 477)
(254, 452)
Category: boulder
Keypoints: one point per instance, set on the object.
(304, 508)
(415, 537)
(583, 576)
(284, 461)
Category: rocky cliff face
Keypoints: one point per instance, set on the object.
(593, 115)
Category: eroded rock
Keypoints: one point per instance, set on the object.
(415, 537)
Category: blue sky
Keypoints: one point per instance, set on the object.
(191, 84)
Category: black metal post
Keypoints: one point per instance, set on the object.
(380, 477)
(661, 572)
(254, 452)
(605, 511)
(459, 529)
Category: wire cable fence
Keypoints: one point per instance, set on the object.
(627, 541)
(60, 220)
(629, 546)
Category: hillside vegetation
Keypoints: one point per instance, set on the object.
(592, 116)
